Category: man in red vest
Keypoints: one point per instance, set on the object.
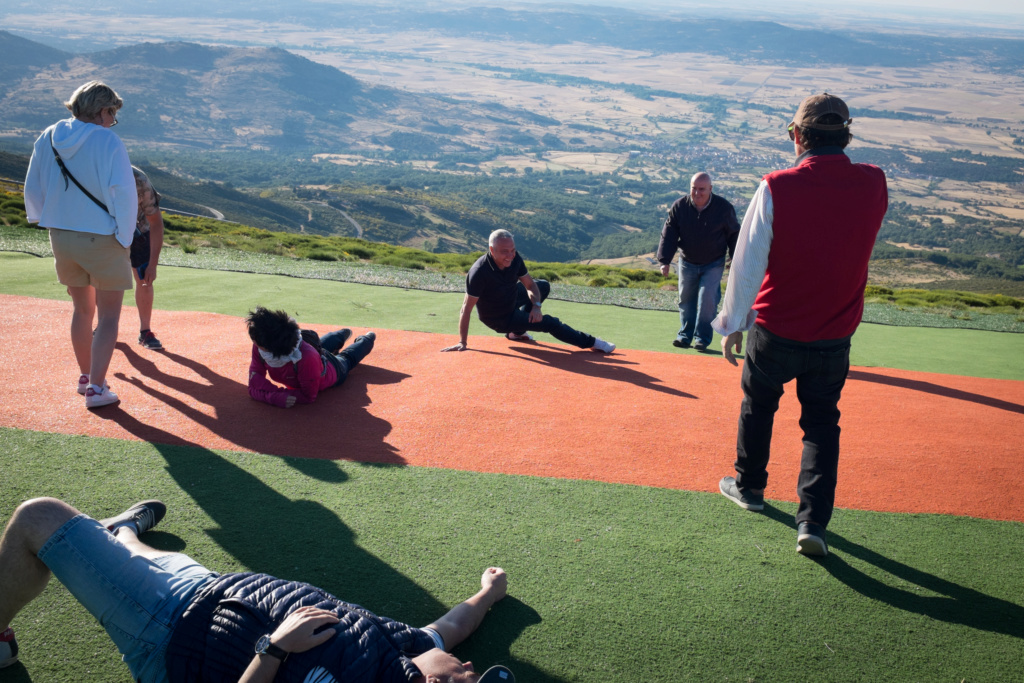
(797, 283)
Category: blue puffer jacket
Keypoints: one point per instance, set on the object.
(216, 636)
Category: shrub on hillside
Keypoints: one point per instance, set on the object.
(321, 256)
(398, 262)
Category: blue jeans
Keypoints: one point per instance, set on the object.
(519, 321)
(136, 599)
(820, 370)
(350, 357)
(700, 291)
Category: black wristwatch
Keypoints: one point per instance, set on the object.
(265, 647)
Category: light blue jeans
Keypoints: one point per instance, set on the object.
(137, 600)
(700, 291)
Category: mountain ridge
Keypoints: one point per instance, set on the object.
(199, 96)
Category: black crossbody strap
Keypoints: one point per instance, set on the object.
(67, 176)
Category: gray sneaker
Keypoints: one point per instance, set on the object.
(149, 340)
(143, 516)
(602, 345)
(748, 499)
(810, 540)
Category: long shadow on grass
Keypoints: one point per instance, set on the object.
(957, 604)
(305, 540)
(336, 426)
(591, 365)
(936, 390)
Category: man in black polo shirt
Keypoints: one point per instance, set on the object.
(508, 300)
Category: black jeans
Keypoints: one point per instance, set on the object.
(519, 321)
(820, 370)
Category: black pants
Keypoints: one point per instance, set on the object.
(519, 321)
(820, 370)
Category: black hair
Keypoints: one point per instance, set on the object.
(275, 331)
(811, 138)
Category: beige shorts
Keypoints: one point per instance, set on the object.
(84, 258)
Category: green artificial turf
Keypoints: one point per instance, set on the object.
(607, 582)
(973, 353)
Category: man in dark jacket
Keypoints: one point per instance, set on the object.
(797, 283)
(703, 226)
(174, 620)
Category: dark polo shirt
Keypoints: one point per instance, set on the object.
(494, 288)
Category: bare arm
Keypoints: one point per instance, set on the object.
(156, 244)
(467, 309)
(464, 618)
(295, 634)
(535, 298)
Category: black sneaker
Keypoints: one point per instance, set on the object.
(149, 340)
(810, 540)
(143, 516)
(680, 343)
(700, 346)
(748, 499)
(8, 648)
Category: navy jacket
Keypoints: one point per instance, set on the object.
(703, 236)
(215, 638)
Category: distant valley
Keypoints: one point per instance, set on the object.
(575, 128)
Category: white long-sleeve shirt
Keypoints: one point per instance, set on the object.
(99, 161)
(749, 264)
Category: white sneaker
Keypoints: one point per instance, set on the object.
(83, 384)
(97, 397)
(602, 346)
(8, 649)
(512, 336)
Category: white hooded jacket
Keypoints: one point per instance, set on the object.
(99, 161)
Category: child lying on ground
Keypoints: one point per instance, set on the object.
(280, 351)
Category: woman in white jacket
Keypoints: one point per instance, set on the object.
(81, 188)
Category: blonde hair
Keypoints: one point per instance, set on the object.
(92, 98)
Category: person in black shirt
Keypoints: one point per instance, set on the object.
(703, 225)
(508, 300)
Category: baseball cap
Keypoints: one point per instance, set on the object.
(497, 674)
(817, 106)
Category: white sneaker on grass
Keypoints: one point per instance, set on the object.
(602, 345)
(8, 648)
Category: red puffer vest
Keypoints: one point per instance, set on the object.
(827, 213)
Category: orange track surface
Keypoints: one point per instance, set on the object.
(912, 441)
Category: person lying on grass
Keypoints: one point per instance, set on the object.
(174, 620)
(291, 357)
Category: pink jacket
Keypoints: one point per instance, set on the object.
(303, 380)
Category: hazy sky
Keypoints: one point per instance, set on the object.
(899, 6)
(1006, 13)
